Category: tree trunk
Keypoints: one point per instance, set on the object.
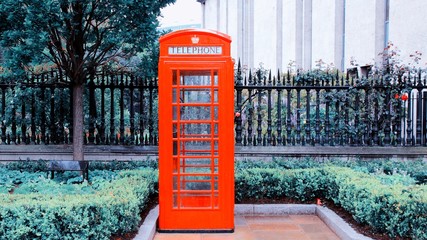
(78, 126)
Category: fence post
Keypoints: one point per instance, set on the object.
(13, 135)
(23, 119)
(112, 122)
(269, 121)
(317, 128)
(288, 113)
(43, 112)
(101, 130)
(356, 117)
(122, 109)
(307, 121)
(259, 121)
(368, 124)
(279, 109)
(238, 118)
(409, 122)
(141, 111)
(251, 110)
(132, 110)
(419, 109)
(150, 112)
(424, 122)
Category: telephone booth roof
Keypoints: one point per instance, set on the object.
(195, 37)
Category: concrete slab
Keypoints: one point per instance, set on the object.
(342, 229)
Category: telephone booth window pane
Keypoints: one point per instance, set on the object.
(174, 112)
(196, 182)
(175, 147)
(215, 112)
(175, 183)
(202, 130)
(195, 113)
(197, 165)
(215, 77)
(196, 146)
(195, 78)
(174, 99)
(196, 95)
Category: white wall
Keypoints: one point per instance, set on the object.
(265, 33)
(360, 32)
(408, 28)
(323, 31)
(289, 33)
(276, 32)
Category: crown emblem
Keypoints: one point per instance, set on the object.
(195, 39)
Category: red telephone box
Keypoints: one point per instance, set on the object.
(196, 136)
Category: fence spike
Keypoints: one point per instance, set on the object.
(251, 82)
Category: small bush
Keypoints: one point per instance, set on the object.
(389, 203)
(107, 207)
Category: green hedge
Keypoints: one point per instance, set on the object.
(385, 202)
(113, 208)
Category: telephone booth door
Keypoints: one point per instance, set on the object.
(196, 137)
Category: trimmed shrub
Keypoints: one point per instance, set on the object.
(388, 203)
(113, 208)
(395, 208)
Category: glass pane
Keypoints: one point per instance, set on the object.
(175, 183)
(195, 113)
(196, 183)
(196, 145)
(174, 95)
(174, 112)
(196, 95)
(198, 165)
(195, 78)
(198, 130)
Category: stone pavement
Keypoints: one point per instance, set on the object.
(298, 227)
(265, 222)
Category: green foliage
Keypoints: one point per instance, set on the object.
(28, 165)
(409, 169)
(73, 32)
(109, 205)
(121, 165)
(388, 203)
(396, 209)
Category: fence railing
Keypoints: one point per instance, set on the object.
(314, 108)
(317, 108)
(119, 108)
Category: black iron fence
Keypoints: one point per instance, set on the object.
(318, 108)
(119, 108)
(312, 108)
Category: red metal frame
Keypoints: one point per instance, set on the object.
(196, 136)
